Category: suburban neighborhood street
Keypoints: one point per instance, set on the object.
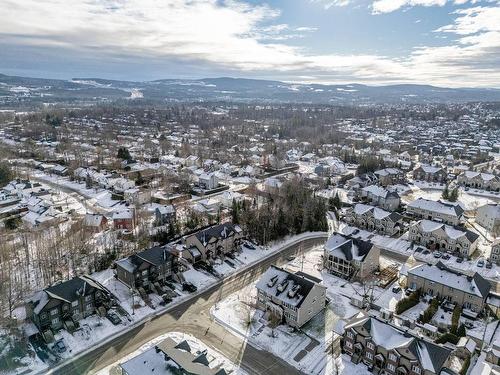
(192, 316)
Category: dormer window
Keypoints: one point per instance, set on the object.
(416, 369)
(350, 335)
(370, 345)
(393, 357)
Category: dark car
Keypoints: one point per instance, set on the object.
(460, 260)
(59, 346)
(489, 265)
(425, 252)
(189, 287)
(396, 289)
(445, 256)
(249, 245)
(113, 318)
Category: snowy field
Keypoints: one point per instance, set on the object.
(215, 358)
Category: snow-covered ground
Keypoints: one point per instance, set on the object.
(305, 349)
(215, 358)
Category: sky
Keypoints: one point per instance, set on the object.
(453, 43)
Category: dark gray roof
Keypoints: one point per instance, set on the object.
(157, 256)
(70, 290)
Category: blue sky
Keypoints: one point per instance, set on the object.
(441, 42)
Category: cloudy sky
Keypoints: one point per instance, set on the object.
(441, 42)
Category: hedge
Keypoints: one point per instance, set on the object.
(455, 318)
(430, 311)
(407, 302)
(465, 366)
(447, 337)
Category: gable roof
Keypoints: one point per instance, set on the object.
(348, 247)
(431, 357)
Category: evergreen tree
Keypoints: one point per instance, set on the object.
(453, 195)
(446, 193)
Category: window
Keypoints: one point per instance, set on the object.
(393, 357)
(88, 298)
(348, 344)
(74, 303)
(369, 355)
(370, 345)
(55, 321)
(391, 367)
(53, 312)
(350, 335)
(416, 369)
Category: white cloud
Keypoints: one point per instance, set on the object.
(387, 6)
(327, 4)
(243, 38)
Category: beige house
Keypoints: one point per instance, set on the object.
(294, 298)
(378, 196)
(449, 213)
(470, 292)
(349, 257)
(479, 180)
(390, 176)
(392, 350)
(488, 216)
(443, 237)
(495, 252)
(374, 219)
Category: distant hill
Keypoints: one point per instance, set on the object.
(32, 90)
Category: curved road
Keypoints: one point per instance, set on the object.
(193, 316)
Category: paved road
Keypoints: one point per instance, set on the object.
(193, 316)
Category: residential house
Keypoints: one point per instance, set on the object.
(95, 222)
(124, 219)
(291, 297)
(469, 292)
(374, 219)
(478, 180)
(392, 350)
(208, 181)
(390, 176)
(213, 241)
(378, 196)
(495, 251)
(64, 304)
(169, 357)
(350, 257)
(165, 214)
(443, 237)
(147, 267)
(430, 174)
(229, 197)
(488, 216)
(446, 212)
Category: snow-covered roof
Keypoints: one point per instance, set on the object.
(285, 286)
(451, 209)
(347, 247)
(439, 273)
(455, 233)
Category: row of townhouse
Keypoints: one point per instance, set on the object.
(154, 265)
(391, 350)
(449, 213)
(478, 180)
(430, 174)
(64, 304)
(488, 216)
(469, 292)
(378, 196)
(443, 237)
(349, 257)
(373, 218)
(294, 298)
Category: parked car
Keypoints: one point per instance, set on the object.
(480, 263)
(113, 318)
(438, 254)
(396, 289)
(59, 346)
(489, 265)
(445, 256)
(189, 287)
(460, 260)
(249, 245)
